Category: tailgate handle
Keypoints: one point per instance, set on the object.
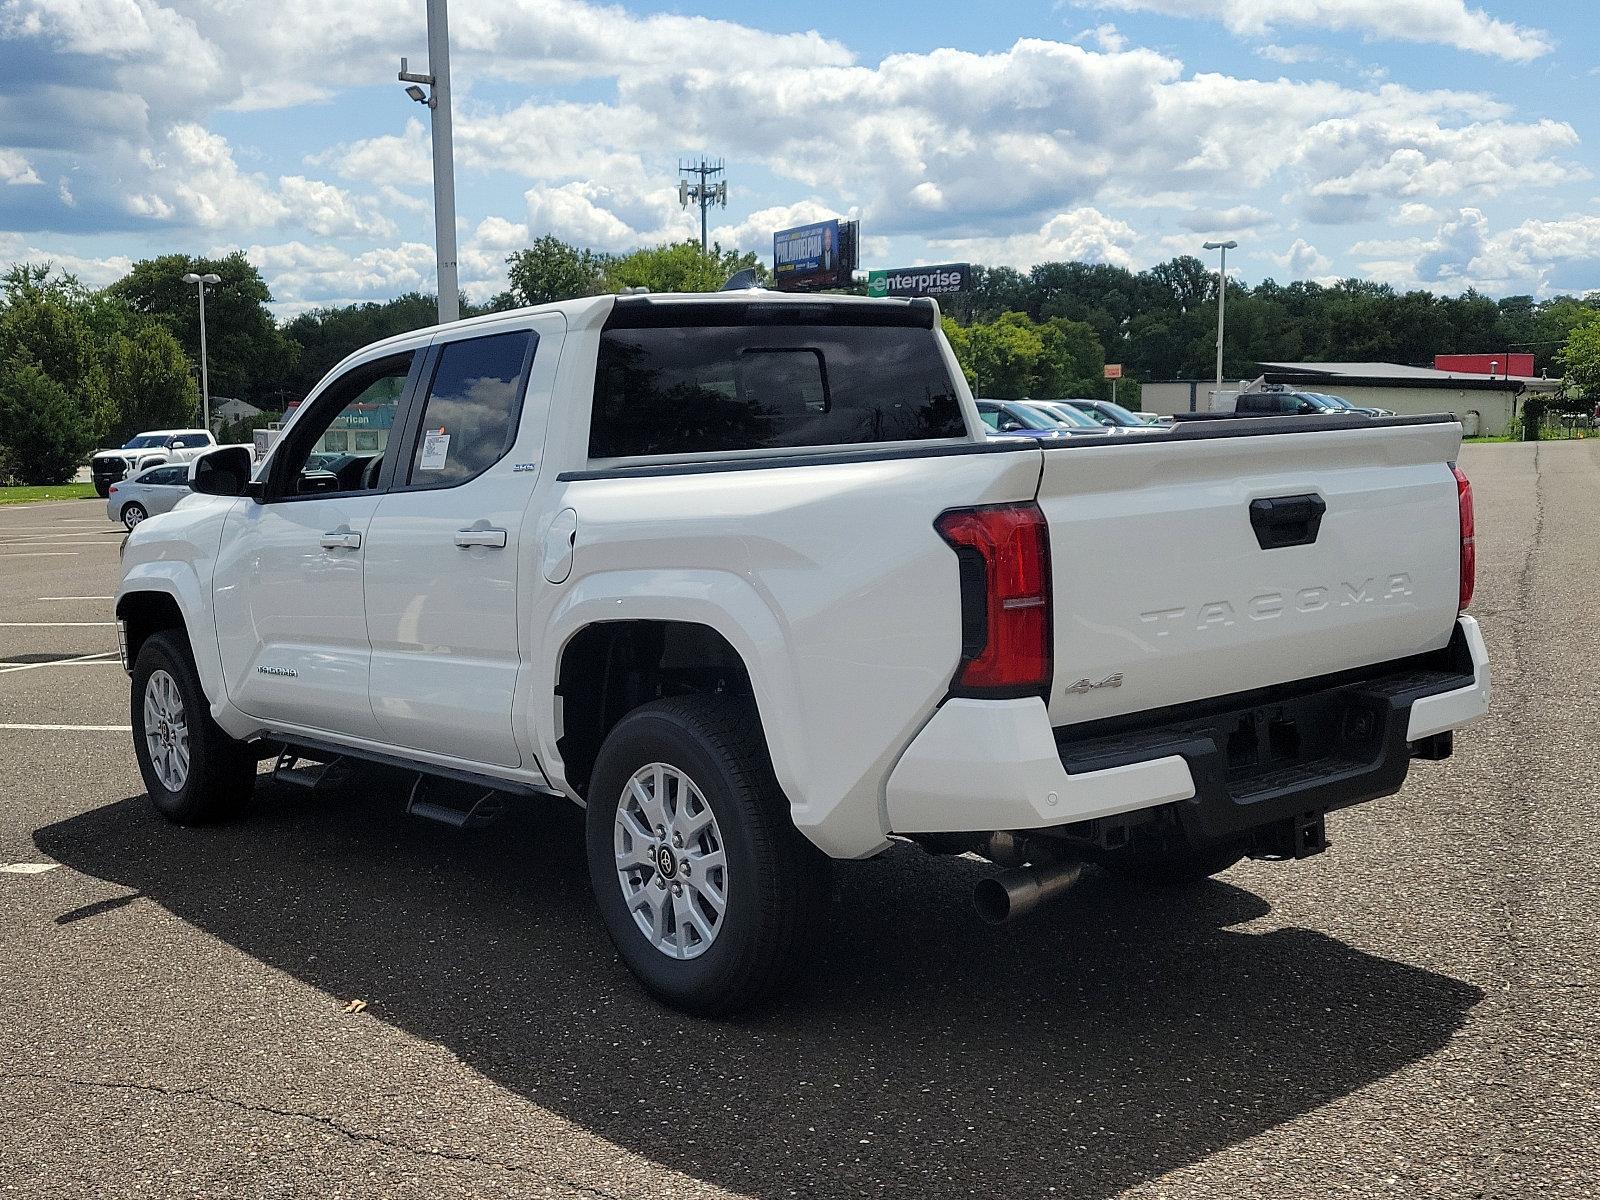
(1281, 521)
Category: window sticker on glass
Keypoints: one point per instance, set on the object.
(435, 450)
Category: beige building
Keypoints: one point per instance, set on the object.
(1485, 404)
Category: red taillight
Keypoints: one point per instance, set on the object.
(112, 490)
(1469, 538)
(1004, 556)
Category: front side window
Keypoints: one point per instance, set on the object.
(320, 456)
(470, 418)
(167, 476)
(188, 441)
(699, 378)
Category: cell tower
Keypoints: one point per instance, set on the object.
(702, 192)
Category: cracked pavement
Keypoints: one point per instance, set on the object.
(1414, 1013)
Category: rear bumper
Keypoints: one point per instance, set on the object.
(1225, 766)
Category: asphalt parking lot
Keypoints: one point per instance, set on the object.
(1414, 1013)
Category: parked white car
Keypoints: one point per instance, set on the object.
(743, 576)
(149, 449)
(151, 491)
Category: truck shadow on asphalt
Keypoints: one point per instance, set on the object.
(1087, 1049)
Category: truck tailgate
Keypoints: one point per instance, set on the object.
(1165, 590)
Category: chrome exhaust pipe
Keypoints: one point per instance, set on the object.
(1008, 895)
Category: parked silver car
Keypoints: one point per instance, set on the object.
(153, 490)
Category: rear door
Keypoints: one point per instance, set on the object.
(1187, 567)
(444, 545)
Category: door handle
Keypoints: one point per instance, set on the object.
(341, 539)
(495, 539)
(1281, 521)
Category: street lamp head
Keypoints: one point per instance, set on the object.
(211, 279)
(1228, 245)
(417, 94)
(191, 277)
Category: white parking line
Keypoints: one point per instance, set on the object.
(74, 728)
(43, 554)
(42, 599)
(27, 868)
(56, 624)
(103, 658)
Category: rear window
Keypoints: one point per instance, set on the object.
(691, 379)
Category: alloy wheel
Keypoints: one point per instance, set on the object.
(671, 861)
(166, 730)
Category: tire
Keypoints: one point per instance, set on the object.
(219, 773)
(1174, 866)
(774, 883)
(132, 513)
(103, 490)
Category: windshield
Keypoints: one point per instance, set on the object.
(1075, 417)
(1119, 414)
(144, 441)
(1027, 417)
(1338, 402)
(1322, 403)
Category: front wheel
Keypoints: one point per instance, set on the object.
(708, 891)
(102, 489)
(192, 770)
(133, 513)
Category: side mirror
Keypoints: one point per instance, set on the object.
(223, 472)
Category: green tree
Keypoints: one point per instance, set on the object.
(550, 269)
(678, 267)
(248, 355)
(45, 328)
(149, 382)
(1580, 357)
(45, 436)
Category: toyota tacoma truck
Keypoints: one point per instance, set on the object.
(149, 449)
(741, 575)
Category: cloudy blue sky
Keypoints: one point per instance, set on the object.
(1428, 143)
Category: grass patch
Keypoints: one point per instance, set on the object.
(30, 495)
(1500, 437)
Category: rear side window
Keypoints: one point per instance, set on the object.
(469, 420)
(691, 379)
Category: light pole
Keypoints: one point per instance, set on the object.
(1222, 297)
(200, 282)
(444, 171)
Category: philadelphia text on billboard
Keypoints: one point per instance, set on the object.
(942, 280)
(806, 250)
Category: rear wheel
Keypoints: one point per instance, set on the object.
(132, 513)
(1174, 865)
(192, 770)
(102, 489)
(708, 891)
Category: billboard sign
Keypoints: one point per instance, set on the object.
(819, 255)
(1113, 370)
(942, 280)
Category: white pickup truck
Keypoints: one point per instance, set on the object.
(742, 575)
(149, 449)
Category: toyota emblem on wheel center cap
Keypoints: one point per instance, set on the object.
(665, 862)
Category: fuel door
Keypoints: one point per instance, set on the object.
(559, 540)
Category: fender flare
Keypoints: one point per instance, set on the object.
(179, 582)
(719, 600)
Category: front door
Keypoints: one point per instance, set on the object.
(288, 588)
(445, 544)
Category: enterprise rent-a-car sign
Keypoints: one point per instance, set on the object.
(919, 281)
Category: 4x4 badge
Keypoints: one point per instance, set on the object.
(1089, 685)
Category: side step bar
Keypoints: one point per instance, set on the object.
(488, 808)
